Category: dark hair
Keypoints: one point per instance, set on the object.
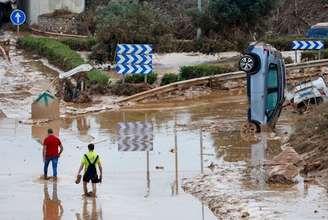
(50, 131)
(91, 147)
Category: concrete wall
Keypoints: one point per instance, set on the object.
(34, 8)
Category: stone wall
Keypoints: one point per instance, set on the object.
(66, 24)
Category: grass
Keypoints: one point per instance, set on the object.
(80, 44)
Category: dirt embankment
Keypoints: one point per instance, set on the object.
(311, 141)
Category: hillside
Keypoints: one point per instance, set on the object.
(295, 17)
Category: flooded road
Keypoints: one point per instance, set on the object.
(124, 193)
(21, 80)
(208, 140)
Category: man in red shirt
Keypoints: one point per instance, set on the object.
(51, 145)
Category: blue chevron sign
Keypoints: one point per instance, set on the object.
(133, 69)
(134, 49)
(134, 59)
(307, 45)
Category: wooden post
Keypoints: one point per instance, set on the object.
(146, 78)
(176, 157)
(295, 56)
(201, 151)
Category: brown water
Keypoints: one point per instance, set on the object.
(124, 193)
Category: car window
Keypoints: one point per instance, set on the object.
(272, 101)
(272, 88)
(315, 32)
(272, 82)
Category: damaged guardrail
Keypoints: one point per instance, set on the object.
(209, 79)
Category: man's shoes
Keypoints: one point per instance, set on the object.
(46, 177)
(78, 179)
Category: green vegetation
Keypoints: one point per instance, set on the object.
(80, 44)
(139, 78)
(197, 71)
(129, 21)
(236, 20)
(59, 55)
(169, 78)
(314, 55)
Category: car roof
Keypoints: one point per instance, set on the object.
(319, 25)
(262, 45)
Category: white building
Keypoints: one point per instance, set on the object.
(34, 8)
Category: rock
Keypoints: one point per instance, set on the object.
(284, 167)
(2, 115)
(245, 215)
(282, 174)
(230, 85)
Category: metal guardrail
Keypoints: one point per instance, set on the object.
(209, 79)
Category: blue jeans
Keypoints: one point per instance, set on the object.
(54, 162)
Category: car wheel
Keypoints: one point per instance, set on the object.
(248, 131)
(248, 63)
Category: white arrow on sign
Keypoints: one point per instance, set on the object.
(320, 45)
(296, 45)
(17, 16)
(312, 45)
(303, 45)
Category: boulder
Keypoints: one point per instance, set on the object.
(282, 174)
(284, 167)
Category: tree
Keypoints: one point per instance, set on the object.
(129, 21)
(226, 17)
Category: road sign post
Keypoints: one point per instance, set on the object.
(17, 18)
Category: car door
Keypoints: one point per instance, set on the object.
(272, 98)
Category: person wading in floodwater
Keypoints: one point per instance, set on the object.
(89, 162)
(51, 145)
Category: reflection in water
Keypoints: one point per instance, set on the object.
(258, 156)
(87, 214)
(52, 208)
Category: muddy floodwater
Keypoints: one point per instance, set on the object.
(206, 131)
(124, 193)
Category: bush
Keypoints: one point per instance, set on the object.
(288, 60)
(80, 44)
(98, 76)
(128, 89)
(314, 55)
(197, 71)
(139, 78)
(60, 55)
(169, 78)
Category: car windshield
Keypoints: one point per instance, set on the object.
(318, 32)
(272, 87)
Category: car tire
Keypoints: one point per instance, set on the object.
(248, 63)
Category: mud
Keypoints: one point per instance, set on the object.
(310, 140)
